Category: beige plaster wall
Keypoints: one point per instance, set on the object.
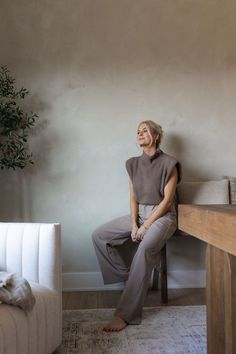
(95, 68)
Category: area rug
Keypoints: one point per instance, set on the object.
(164, 330)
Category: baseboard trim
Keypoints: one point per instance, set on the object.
(187, 279)
(92, 281)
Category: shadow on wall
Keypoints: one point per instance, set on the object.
(178, 146)
(15, 185)
(43, 138)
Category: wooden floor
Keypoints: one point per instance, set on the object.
(109, 299)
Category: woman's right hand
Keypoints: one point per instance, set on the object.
(134, 233)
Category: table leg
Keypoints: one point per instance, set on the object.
(221, 301)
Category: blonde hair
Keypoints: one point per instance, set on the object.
(153, 129)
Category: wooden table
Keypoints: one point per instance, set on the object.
(216, 225)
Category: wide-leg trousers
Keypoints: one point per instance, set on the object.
(121, 259)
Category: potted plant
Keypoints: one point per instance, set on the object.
(15, 123)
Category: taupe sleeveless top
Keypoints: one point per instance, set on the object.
(150, 174)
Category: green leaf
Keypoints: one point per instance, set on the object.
(15, 123)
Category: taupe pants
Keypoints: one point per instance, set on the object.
(122, 259)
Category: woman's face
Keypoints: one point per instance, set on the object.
(144, 138)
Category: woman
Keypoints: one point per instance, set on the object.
(128, 247)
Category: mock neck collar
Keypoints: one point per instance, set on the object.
(146, 157)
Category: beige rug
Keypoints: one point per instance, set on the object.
(164, 330)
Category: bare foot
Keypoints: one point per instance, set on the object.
(116, 325)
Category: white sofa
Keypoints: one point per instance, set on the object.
(33, 251)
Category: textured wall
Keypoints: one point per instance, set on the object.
(95, 68)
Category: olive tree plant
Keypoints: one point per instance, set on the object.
(15, 123)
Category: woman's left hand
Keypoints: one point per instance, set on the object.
(140, 233)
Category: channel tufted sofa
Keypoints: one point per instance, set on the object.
(33, 251)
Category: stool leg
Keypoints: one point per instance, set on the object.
(163, 270)
(155, 279)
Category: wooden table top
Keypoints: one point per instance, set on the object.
(214, 224)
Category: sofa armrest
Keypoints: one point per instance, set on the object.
(32, 250)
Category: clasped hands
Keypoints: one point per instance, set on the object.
(137, 233)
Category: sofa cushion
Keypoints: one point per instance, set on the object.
(205, 192)
(36, 330)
